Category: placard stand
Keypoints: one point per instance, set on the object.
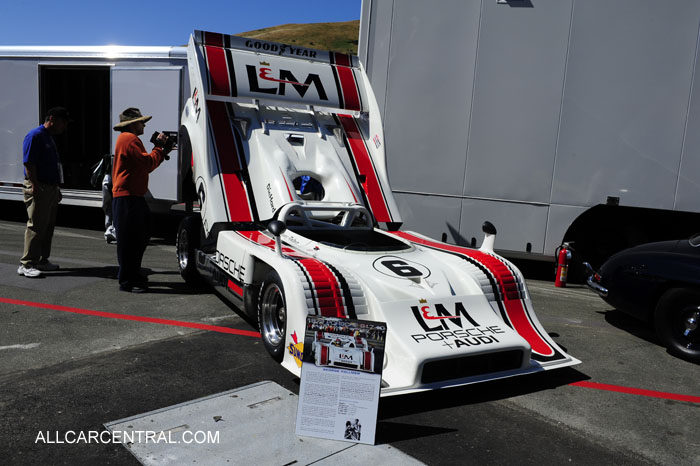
(341, 376)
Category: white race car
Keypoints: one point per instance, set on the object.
(332, 349)
(286, 149)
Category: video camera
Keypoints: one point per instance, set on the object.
(169, 143)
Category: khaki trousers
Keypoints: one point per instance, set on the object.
(41, 202)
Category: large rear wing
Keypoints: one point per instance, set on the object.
(266, 113)
(246, 69)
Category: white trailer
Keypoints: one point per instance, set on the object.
(95, 84)
(558, 120)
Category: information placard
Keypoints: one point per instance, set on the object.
(341, 376)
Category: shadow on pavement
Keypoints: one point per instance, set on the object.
(629, 324)
(107, 271)
(477, 393)
(389, 432)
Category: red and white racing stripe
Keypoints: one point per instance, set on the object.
(331, 294)
(514, 310)
(364, 166)
(289, 191)
(324, 355)
(327, 291)
(367, 361)
(346, 82)
(231, 163)
(235, 288)
(221, 76)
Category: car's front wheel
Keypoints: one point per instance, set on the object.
(187, 242)
(677, 321)
(272, 315)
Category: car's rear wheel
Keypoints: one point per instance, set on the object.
(272, 315)
(187, 242)
(677, 321)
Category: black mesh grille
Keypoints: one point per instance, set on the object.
(470, 366)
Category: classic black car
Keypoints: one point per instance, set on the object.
(658, 283)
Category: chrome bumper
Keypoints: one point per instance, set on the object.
(592, 284)
(601, 290)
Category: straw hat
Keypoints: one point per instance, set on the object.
(129, 116)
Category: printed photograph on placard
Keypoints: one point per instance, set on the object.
(353, 430)
(345, 343)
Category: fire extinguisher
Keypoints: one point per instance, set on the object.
(563, 257)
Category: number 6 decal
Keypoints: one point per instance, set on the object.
(401, 268)
(396, 267)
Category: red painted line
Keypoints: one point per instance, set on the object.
(248, 333)
(637, 391)
(150, 320)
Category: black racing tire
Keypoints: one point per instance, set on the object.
(189, 235)
(677, 322)
(272, 315)
(189, 191)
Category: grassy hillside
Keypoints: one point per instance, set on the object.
(339, 37)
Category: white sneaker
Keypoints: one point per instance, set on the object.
(30, 271)
(47, 266)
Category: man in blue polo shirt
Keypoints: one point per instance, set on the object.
(42, 174)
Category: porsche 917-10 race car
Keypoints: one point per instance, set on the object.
(332, 349)
(297, 218)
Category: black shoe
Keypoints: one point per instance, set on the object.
(142, 280)
(134, 288)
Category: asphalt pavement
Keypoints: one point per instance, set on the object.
(76, 353)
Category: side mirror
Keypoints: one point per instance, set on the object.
(489, 237)
(488, 228)
(277, 227)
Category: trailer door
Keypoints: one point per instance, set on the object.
(156, 91)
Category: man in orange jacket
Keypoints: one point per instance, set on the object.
(132, 164)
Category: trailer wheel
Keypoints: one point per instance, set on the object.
(272, 315)
(187, 242)
(677, 321)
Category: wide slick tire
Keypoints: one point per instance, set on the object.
(272, 315)
(186, 244)
(677, 322)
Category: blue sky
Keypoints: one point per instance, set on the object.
(128, 22)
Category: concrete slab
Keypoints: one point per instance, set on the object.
(248, 425)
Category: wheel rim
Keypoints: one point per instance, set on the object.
(690, 327)
(183, 250)
(273, 315)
